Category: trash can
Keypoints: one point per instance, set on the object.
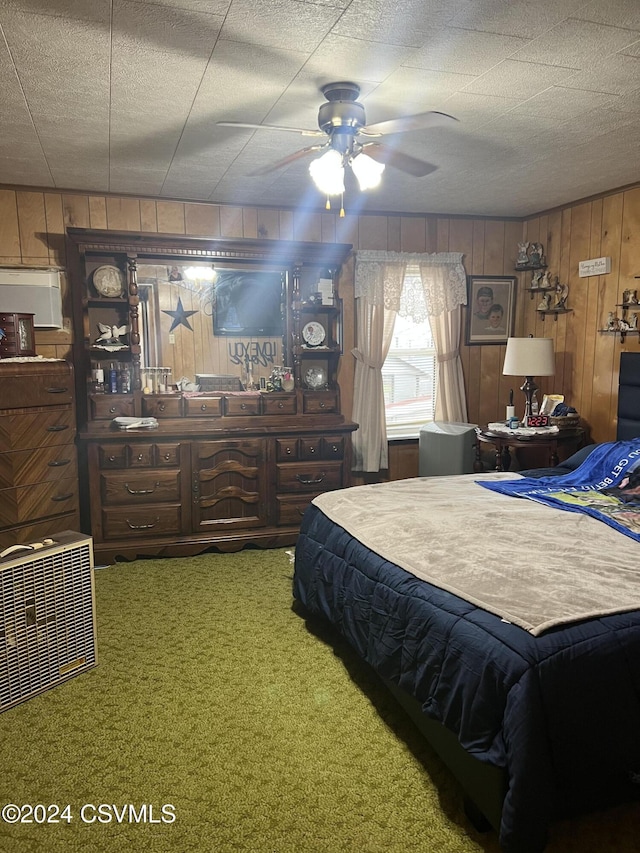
(446, 448)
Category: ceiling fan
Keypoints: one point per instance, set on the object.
(350, 141)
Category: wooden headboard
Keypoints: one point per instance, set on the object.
(629, 396)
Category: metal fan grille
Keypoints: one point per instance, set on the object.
(47, 627)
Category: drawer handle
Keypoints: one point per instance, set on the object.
(57, 463)
(62, 497)
(322, 404)
(167, 457)
(140, 457)
(58, 428)
(56, 390)
(141, 491)
(161, 407)
(243, 406)
(288, 451)
(112, 458)
(311, 449)
(203, 407)
(112, 410)
(309, 481)
(281, 405)
(334, 448)
(142, 526)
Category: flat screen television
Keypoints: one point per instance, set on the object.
(248, 303)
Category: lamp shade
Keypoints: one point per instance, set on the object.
(529, 357)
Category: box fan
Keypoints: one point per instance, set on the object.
(47, 617)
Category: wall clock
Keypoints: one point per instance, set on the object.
(108, 281)
(313, 334)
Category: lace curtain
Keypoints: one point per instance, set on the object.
(383, 289)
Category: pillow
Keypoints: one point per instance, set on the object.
(565, 467)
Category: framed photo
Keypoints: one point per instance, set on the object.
(491, 303)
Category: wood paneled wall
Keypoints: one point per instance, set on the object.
(32, 226)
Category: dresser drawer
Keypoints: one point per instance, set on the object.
(162, 407)
(44, 390)
(279, 404)
(289, 511)
(35, 466)
(313, 476)
(25, 534)
(320, 401)
(203, 407)
(105, 407)
(34, 429)
(124, 522)
(239, 406)
(41, 500)
(140, 487)
(332, 447)
(287, 449)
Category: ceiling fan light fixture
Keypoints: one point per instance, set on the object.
(327, 172)
(367, 171)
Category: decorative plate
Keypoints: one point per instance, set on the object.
(313, 334)
(108, 281)
(315, 377)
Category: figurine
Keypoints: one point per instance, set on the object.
(110, 335)
(536, 279)
(630, 297)
(546, 280)
(612, 322)
(633, 320)
(563, 291)
(523, 258)
(535, 256)
(545, 303)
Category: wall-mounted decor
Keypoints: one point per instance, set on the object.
(491, 306)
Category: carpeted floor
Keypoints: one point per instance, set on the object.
(214, 698)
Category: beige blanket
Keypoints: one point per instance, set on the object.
(530, 564)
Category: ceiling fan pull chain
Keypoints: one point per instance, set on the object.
(328, 204)
(342, 206)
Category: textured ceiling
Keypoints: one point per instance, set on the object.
(123, 96)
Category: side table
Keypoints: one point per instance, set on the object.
(503, 442)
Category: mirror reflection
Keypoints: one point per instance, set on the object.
(198, 319)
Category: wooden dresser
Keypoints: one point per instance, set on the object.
(217, 471)
(38, 460)
(221, 468)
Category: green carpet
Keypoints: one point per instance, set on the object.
(213, 696)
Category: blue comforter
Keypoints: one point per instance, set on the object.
(559, 712)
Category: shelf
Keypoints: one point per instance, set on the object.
(554, 311)
(313, 307)
(533, 290)
(622, 332)
(530, 267)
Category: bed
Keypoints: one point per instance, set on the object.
(533, 701)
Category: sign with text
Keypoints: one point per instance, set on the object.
(596, 266)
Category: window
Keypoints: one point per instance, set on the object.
(409, 372)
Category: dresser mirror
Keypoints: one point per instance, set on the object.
(199, 318)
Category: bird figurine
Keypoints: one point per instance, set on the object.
(110, 335)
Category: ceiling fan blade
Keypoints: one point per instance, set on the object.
(300, 130)
(420, 121)
(298, 155)
(404, 162)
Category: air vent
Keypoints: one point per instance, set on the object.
(47, 619)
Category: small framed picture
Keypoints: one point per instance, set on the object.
(491, 304)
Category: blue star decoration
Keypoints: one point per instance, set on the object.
(180, 316)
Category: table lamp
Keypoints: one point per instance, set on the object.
(529, 357)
